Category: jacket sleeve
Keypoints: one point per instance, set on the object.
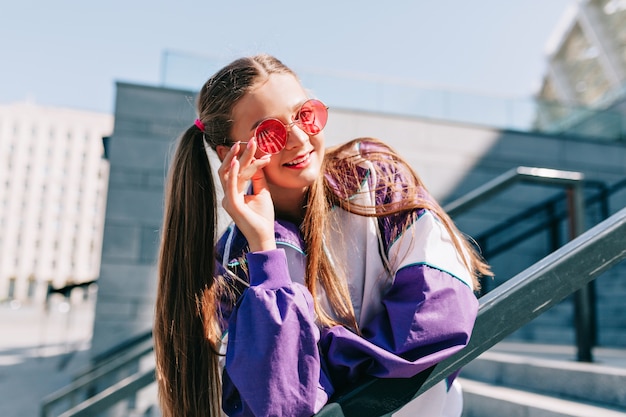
(272, 362)
(426, 316)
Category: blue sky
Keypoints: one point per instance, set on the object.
(71, 53)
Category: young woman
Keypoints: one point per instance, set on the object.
(338, 263)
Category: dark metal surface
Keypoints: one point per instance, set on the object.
(504, 181)
(112, 395)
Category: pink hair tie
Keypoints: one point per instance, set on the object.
(199, 124)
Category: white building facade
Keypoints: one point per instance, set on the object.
(53, 186)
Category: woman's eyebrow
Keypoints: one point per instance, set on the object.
(296, 107)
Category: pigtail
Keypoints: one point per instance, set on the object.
(186, 330)
(186, 333)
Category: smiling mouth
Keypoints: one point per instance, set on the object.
(298, 161)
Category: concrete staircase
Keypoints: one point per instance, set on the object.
(532, 380)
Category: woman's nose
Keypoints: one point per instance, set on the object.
(295, 136)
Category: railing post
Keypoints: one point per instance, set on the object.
(555, 232)
(583, 305)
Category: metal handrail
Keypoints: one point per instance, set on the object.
(572, 181)
(87, 380)
(112, 395)
(504, 181)
(501, 312)
(602, 196)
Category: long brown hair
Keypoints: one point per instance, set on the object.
(186, 329)
(342, 163)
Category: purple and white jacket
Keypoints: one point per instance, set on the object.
(412, 296)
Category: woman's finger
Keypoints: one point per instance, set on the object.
(227, 162)
(246, 173)
(247, 156)
(232, 152)
(230, 184)
(258, 180)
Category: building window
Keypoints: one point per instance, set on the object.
(32, 286)
(11, 293)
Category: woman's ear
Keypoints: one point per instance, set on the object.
(221, 151)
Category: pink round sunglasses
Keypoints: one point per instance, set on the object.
(271, 134)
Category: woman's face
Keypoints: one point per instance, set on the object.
(298, 165)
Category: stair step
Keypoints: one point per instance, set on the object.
(485, 400)
(585, 381)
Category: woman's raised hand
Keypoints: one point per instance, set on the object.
(252, 213)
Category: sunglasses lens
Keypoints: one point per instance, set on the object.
(312, 117)
(271, 136)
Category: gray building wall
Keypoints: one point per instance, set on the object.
(451, 158)
(147, 121)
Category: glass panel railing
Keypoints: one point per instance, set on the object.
(365, 93)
